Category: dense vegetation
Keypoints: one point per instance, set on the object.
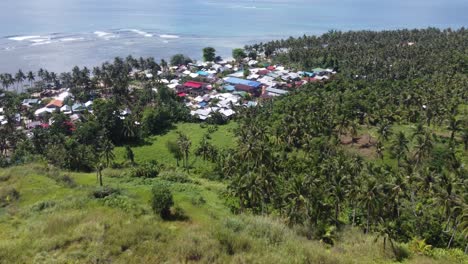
(290, 159)
(377, 152)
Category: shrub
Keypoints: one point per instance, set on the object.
(8, 195)
(161, 200)
(401, 252)
(198, 200)
(43, 205)
(123, 203)
(103, 192)
(232, 243)
(175, 176)
(420, 247)
(146, 170)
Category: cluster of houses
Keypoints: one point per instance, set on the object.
(205, 88)
(40, 105)
(219, 87)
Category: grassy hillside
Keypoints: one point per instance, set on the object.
(52, 216)
(155, 147)
(55, 219)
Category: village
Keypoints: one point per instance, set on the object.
(205, 93)
(204, 87)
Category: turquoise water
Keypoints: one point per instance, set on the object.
(57, 34)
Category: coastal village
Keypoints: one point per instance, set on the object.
(206, 88)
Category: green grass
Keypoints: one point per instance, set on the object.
(57, 223)
(156, 149)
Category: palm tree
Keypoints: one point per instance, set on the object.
(175, 151)
(370, 200)
(454, 127)
(184, 144)
(464, 137)
(399, 147)
(31, 78)
(423, 147)
(99, 167)
(384, 130)
(107, 152)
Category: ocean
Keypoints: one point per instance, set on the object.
(58, 34)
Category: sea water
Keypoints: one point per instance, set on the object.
(58, 34)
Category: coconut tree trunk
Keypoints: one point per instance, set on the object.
(367, 220)
(453, 235)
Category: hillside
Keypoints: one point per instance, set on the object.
(56, 219)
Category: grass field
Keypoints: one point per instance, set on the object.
(156, 149)
(54, 222)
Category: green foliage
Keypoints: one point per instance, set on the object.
(209, 54)
(145, 170)
(419, 246)
(161, 200)
(175, 176)
(8, 195)
(156, 121)
(180, 59)
(103, 192)
(238, 54)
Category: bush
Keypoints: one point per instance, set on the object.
(401, 252)
(161, 200)
(146, 170)
(8, 195)
(175, 176)
(123, 203)
(198, 200)
(103, 192)
(43, 205)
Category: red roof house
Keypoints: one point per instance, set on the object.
(55, 104)
(194, 85)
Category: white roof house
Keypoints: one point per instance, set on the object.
(66, 109)
(63, 96)
(44, 110)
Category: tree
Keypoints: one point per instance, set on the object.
(31, 77)
(19, 78)
(399, 147)
(454, 127)
(180, 59)
(184, 144)
(107, 152)
(99, 166)
(161, 200)
(174, 149)
(209, 54)
(129, 154)
(238, 54)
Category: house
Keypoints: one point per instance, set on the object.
(275, 92)
(236, 81)
(89, 104)
(33, 125)
(62, 96)
(66, 109)
(78, 107)
(229, 88)
(246, 88)
(30, 102)
(55, 104)
(43, 111)
(203, 73)
(194, 88)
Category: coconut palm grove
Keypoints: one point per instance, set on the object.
(365, 162)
